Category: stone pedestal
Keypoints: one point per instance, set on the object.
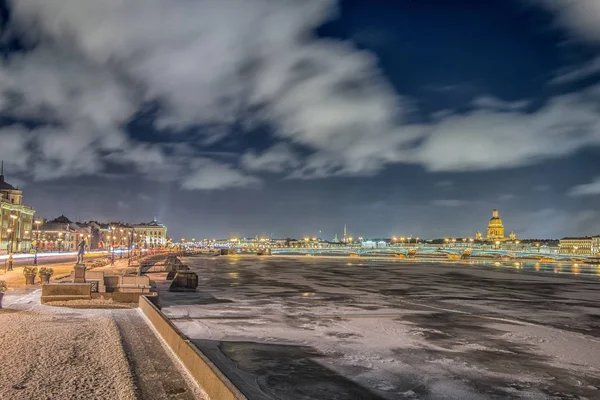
(66, 292)
(79, 275)
(184, 281)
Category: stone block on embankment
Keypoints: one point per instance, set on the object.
(66, 292)
(184, 281)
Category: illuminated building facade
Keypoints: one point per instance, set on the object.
(495, 230)
(16, 218)
(61, 234)
(580, 246)
(152, 234)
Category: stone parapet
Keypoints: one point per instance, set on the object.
(204, 372)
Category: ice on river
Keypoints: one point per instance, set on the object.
(304, 327)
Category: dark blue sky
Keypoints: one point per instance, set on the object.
(407, 117)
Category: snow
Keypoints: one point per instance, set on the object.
(398, 329)
(62, 354)
(50, 352)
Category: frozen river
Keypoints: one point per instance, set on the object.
(343, 328)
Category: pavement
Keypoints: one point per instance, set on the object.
(72, 353)
(156, 375)
(299, 328)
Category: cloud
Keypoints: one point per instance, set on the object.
(579, 73)
(556, 223)
(580, 17)
(506, 197)
(491, 139)
(60, 86)
(276, 159)
(14, 148)
(487, 102)
(208, 63)
(448, 203)
(217, 64)
(586, 189)
(445, 183)
(209, 175)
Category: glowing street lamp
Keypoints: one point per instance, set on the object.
(497, 244)
(37, 242)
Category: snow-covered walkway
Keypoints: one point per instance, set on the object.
(61, 353)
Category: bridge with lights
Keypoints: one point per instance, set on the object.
(424, 252)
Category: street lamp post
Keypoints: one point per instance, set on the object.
(112, 241)
(130, 237)
(10, 256)
(121, 242)
(37, 242)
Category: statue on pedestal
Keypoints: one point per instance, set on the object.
(81, 251)
(79, 270)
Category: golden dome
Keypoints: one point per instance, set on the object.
(495, 227)
(495, 220)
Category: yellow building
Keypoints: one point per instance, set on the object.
(495, 230)
(16, 219)
(152, 234)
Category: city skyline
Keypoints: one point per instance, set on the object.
(294, 117)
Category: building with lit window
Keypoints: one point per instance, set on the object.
(61, 234)
(580, 246)
(151, 235)
(16, 219)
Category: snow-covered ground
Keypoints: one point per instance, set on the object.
(49, 352)
(304, 327)
(60, 353)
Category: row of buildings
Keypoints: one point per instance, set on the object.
(578, 246)
(20, 231)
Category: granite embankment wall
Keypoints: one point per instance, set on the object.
(206, 374)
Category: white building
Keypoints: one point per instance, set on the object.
(580, 246)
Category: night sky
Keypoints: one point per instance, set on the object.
(246, 117)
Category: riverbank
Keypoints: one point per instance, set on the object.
(15, 279)
(67, 353)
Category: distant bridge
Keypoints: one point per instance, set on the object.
(403, 251)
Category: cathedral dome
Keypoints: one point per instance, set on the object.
(495, 227)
